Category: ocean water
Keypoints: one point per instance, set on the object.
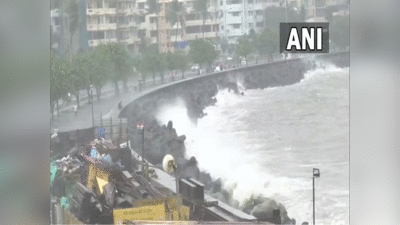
(268, 142)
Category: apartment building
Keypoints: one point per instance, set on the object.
(315, 10)
(194, 21)
(238, 17)
(55, 28)
(112, 21)
(167, 34)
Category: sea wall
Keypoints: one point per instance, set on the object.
(199, 93)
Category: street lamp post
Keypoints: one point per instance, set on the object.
(315, 174)
(141, 126)
(91, 96)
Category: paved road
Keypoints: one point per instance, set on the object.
(107, 106)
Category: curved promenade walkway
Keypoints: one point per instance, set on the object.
(108, 104)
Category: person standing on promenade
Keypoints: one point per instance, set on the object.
(76, 110)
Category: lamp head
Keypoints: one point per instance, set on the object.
(316, 172)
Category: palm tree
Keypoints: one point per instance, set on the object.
(174, 15)
(201, 8)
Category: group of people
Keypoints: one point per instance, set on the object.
(217, 68)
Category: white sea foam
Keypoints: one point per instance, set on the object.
(247, 141)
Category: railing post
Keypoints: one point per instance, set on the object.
(120, 127)
(111, 128)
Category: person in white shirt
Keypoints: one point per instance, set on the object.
(76, 110)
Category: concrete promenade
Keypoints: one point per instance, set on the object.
(108, 105)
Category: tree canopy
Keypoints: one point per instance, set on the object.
(202, 52)
(244, 46)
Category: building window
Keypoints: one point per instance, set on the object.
(93, 35)
(235, 13)
(259, 24)
(250, 25)
(222, 27)
(250, 13)
(250, 1)
(153, 33)
(112, 5)
(230, 2)
(221, 3)
(236, 26)
(259, 12)
(141, 5)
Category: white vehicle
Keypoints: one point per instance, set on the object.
(243, 62)
(195, 67)
(229, 58)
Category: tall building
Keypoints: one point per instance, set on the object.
(194, 21)
(315, 10)
(111, 21)
(238, 17)
(55, 29)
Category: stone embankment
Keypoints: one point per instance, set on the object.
(161, 139)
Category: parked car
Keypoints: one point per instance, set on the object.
(243, 62)
(195, 67)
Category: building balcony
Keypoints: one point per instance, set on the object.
(259, 18)
(107, 26)
(92, 27)
(142, 26)
(151, 26)
(153, 40)
(123, 25)
(179, 39)
(129, 41)
(92, 12)
(132, 24)
(200, 35)
(270, 4)
(234, 19)
(200, 22)
(97, 42)
(110, 11)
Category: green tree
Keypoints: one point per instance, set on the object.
(339, 31)
(142, 66)
(171, 61)
(174, 15)
(160, 64)
(182, 62)
(202, 52)
(201, 8)
(268, 43)
(82, 66)
(99, 69)
(60, 69)
(224, 45)
(121, 63)
(244, 47)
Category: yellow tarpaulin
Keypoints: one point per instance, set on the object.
(155, 213)
(101, 184)
(96, 172)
